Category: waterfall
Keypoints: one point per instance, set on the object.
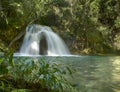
(32, 43)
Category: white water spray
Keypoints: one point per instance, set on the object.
(32, 42)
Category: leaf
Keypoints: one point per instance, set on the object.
(1, 60)
(70, 71)
(3, 85)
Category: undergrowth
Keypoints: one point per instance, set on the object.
(33, 75)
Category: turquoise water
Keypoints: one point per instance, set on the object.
(91, 73)
(95, 73)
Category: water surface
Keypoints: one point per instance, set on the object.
(95, 73)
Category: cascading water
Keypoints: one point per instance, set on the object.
(32, 42)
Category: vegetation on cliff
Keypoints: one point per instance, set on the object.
(87, 26)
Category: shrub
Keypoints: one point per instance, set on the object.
(39, 75)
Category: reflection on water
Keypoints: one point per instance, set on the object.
(95, 73)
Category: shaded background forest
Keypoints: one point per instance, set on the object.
(87, 26)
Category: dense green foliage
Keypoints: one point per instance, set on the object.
(25, 74)
(87, 26)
